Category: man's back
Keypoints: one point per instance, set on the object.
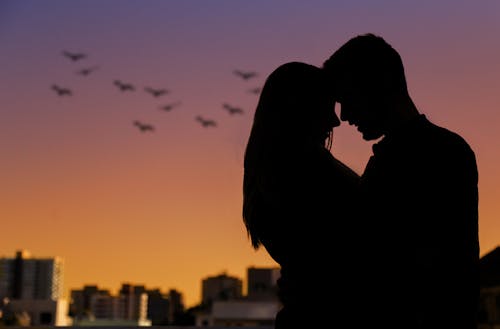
(420, 210)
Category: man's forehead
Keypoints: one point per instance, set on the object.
(344, 89)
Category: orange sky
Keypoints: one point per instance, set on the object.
(163, 209)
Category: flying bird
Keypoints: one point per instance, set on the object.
(169, 107)
(205, 122)
(245, 75)
(74, 56)
(86, 71)
(156, 92)
(143, 127)
(232, 109)
(62, 91)
(123, 86)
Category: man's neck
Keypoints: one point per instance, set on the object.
(404, 112)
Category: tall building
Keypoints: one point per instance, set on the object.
(158, 307)
(134, 300)
(6, 274)
(221, 287)
(81, 301)
(24, 277)
(176, 305)
(165, 309)
(32, 290)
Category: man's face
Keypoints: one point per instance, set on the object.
(362, 110)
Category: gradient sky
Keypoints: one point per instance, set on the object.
(163, 209)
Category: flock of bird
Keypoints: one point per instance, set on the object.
(154, 92)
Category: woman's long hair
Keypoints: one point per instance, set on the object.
(282, 120)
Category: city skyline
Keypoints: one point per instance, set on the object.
(135, 184)
(25, 276)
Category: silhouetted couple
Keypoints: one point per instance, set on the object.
(396, 247)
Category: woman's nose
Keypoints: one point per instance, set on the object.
(345, 113)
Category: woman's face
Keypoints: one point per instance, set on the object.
(325, 118)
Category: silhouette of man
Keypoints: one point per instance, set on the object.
(419, 197)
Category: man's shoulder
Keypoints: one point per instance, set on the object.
(447, 148)
(443, 138)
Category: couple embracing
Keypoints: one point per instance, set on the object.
(395, 247)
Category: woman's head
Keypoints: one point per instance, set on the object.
(295, 103)
(295, 112)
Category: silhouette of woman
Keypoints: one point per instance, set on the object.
(294, 190)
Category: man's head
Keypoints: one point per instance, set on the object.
(368, 80)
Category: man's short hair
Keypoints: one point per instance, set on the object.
(370, 62)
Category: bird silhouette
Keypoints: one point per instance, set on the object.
(232, 109)
(205, 122)
(169, 107)
(86, 71)
(255, 90)
(245, 75)
(62, 91)
(74, 56)
(143, 127)
(156, 92)
(123, 86)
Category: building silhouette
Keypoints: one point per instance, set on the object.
(31, 290)
(80, 302)
(24, 277)
(220, 287)
(98, 307)
(158, 308)
(261, 283)
(31, 293)
(223, 303)
(134, 305)
(489, 297)
(176, 308)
